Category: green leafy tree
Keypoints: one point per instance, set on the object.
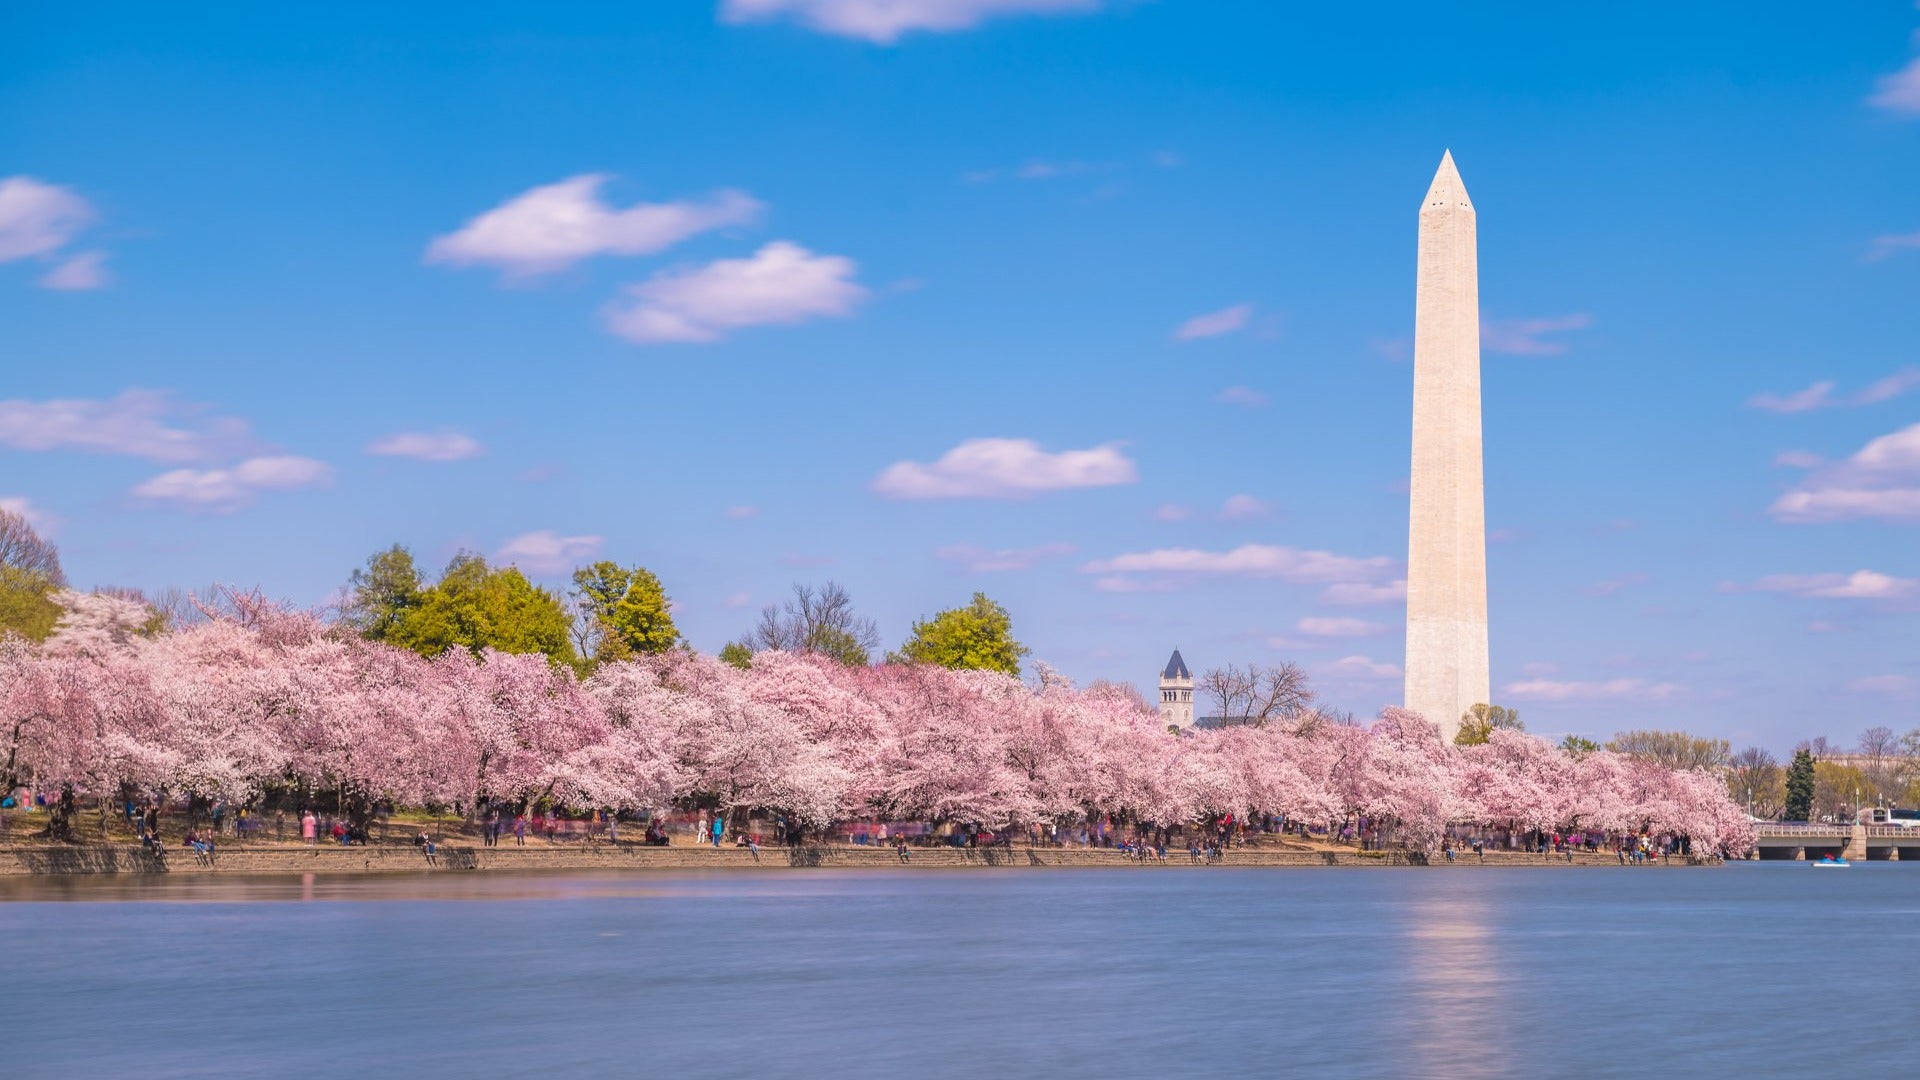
(1839, 791)
(978, 636)
(622, 612)
(1800, 786)
(30, 574)
(1577, 746)
(475, 606)
(26, 604)
(381, 596)
(1477, 724)
(737, 654)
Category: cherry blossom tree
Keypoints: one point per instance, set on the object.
(254, 697)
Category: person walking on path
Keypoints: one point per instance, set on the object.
(700, 830)
(719, 827)
(308, 827)
(520, 830)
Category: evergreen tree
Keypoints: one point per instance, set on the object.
(1578, 746)
(1800, 786)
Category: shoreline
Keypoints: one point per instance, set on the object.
(56, 860)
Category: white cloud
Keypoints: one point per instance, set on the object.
(1818, 395)
(1540, 668)
(1900, 91)
(1859, 585)
(1117, 584)
(43, 522)
(138, 423)
(1889, 388)
(1243, 508)
(1214, 323)
(1038, 170)
(884, 21)
(742, 513)
(738, 600)
(554, 226)
(1172, 512)
(1242, 395)
(1610, 690)
(281, 473)
(1250, 561)
(421, 446)
(1882, 480)
(1886, 685)
(1324, 627)
(1885, 247)
(979, 560)
(77, 273)
(38, 218)
(1361, 593)
(1523, 337)
(547, 552)
(780, 283)
(1847, 504)
(1363, 669)
(1821, 396)
(1004, 469)
(223, 490)
(1615, 584)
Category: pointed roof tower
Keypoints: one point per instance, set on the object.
(1176, 668)
(1447, 189)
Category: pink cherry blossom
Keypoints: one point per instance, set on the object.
(256, 695)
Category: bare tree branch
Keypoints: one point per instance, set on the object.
(1255, 694)
(21, 548)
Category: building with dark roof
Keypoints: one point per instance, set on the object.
(1176, 693)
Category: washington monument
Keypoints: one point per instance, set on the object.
(1447, 531)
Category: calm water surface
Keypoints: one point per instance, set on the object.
(1750, 971)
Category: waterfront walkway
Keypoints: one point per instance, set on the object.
(269, 858)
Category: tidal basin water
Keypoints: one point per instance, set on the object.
(1752, 971)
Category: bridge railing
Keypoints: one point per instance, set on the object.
(1800, 828)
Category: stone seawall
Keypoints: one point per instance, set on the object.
(328, 859)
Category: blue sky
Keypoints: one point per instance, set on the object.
(1099, 307)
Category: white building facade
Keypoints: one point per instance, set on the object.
(1176, 693)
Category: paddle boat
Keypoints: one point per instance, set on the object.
(1831, 860)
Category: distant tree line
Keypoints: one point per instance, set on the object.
(614, 613)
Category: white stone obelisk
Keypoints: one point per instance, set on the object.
(1447, 533)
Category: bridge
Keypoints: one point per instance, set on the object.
(1814, 840)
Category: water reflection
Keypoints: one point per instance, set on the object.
(1456, 1005)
